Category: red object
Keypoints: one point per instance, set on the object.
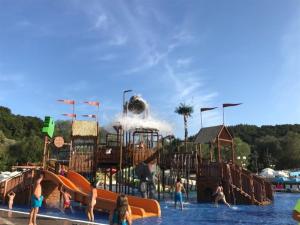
(230, 104)
(92, 103)
(113, 171)
(90, 115)
(71, 102)
(70, 115)
(67, 204)
(206, 109)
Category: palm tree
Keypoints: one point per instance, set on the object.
(186, 111)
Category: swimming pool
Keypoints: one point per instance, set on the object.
(277, 214)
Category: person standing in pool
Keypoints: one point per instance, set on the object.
(67, 199)
(178, 193)
(36, 200)
(11, 195)
(92, 202)
(296, 212)
(121, 215)
(220, 195)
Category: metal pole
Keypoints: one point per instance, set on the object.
(201, 118)
(223, 115)
(73, 111)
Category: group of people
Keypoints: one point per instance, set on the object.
(120, 216)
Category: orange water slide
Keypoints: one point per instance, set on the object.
(106, 200)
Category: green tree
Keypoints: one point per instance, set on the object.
(28, 150)
(186, 111)
(290, 157)
(63, 128)
(2, 137)
(242, 152)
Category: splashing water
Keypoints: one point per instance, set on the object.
(132, 121)
(139, 117)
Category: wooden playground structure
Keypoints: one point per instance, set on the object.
(130, 157)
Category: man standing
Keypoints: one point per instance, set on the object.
(296, 212)
(36, 200)
(178, 193)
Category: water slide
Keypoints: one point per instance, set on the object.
(106, 200)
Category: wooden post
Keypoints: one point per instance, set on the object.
(163, 183)
(158, 184)
(105, 178)
(210, 151)
(45, 152)
(110, 179)
(233, 151)
(252, 189)
(219, 150)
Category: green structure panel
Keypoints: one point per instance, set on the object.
(48, 126)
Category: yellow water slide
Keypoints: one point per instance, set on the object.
(106, 200)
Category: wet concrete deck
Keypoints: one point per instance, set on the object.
(14, 218)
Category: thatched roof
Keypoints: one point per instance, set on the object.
(84, 128)
(208, 134)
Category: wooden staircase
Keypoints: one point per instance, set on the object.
(247, 187)
(240, 185)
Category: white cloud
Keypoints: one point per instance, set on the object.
(24, 23)
(101, 21)
(12, 79)
(107, 57)
(183, 62)
(118, 40)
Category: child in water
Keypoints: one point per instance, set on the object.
(122, 213)
(67, 199)
(220, 195)
(92, 202)
(178, 193)
(11, 195)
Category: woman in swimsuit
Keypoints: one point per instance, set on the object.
(122, 213)
(220, 195)
(92, 202)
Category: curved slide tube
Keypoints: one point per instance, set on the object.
(106, 200)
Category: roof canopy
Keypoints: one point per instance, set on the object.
(84, 128)
(210, 134)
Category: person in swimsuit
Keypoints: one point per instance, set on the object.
(121, 215)
(11, 195)
(92, 202)
(62, 170)
(36, 200)
(220, 195)
(178, 193)
(67, 199)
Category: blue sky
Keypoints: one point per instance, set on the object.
(203, 53)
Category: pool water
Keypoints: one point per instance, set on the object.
(275, 214)
(278, 213)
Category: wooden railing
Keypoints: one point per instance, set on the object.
(130, 156)
(16, 184)
(254, 186)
